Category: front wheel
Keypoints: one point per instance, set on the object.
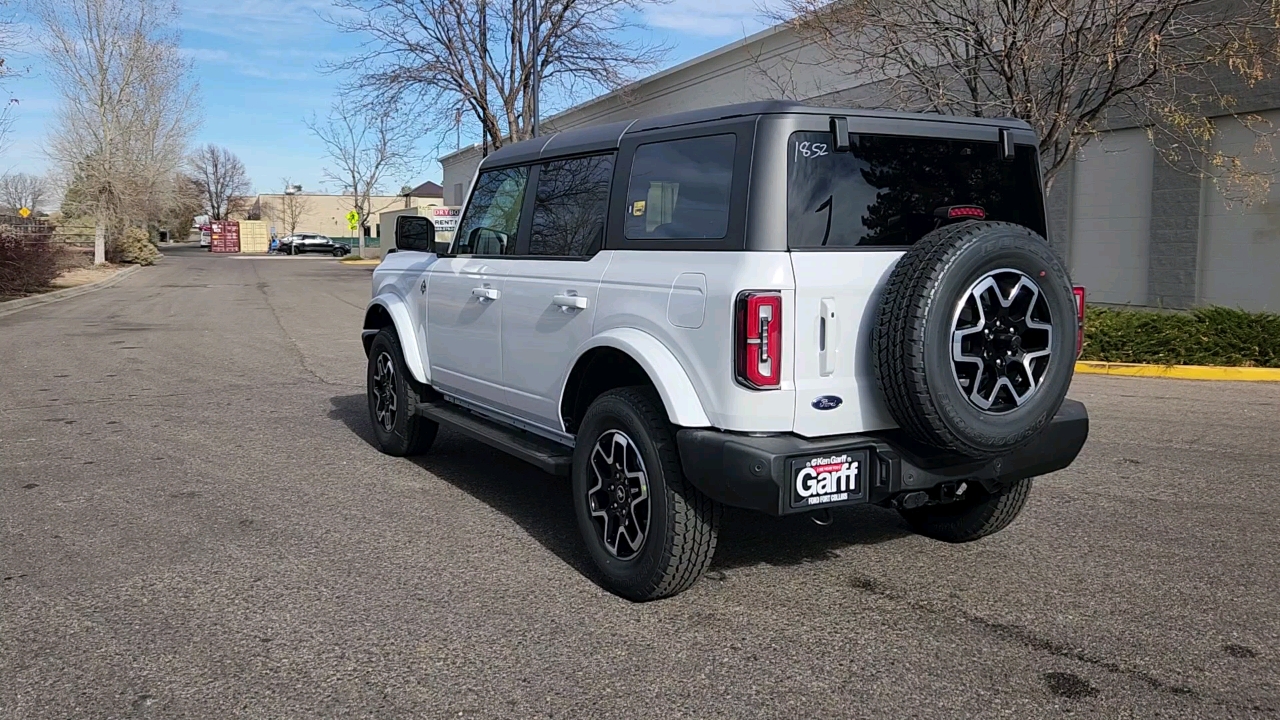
(398, 429)
(650, 532)
(337, 252)
(973, 517)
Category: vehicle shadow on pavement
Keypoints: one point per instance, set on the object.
(542, 505)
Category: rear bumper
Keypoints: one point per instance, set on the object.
(757, 472)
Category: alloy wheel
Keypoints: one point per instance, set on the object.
(619, 500)
(384, 391)
(1000, 341)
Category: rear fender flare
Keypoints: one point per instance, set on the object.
(669, 378)
(414, 357)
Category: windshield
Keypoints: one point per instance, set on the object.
(883, 193)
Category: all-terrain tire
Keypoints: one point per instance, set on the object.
(683, 523)
(911, 342)
(972, 518)
(409, 433)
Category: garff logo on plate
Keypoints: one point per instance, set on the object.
(827, 479)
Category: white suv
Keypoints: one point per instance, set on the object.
(765, 306)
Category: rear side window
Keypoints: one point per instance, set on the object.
(680, 189)
(883, 193)
(493, 215)
(569, 210)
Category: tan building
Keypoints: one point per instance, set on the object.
(327, 214)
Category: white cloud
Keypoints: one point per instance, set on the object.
(280, 21)
(708, 18)
(244, 64)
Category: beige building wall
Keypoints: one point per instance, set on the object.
(327, 214)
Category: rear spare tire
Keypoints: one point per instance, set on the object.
(975, 338)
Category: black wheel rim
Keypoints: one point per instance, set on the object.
(384, 392)
(619, 498)
(1000, 341)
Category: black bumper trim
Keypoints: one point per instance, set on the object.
(751, 472)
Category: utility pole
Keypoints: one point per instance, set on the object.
(535, 80)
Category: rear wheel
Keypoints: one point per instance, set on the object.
(976, 516)
(651, 533)
(398, 429)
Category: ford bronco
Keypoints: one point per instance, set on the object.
(766, 306)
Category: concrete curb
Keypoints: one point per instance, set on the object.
(361, 262)
(1181, 372)
(13, 306)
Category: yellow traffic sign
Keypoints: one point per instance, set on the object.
(353, 218)
(25, 212)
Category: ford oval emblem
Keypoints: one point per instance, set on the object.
(827, 402)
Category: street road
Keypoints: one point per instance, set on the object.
(193, 523)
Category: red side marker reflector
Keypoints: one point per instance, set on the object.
(1079, 292)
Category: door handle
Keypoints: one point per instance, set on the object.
(570, 301)
(486, 293)
(828, 338)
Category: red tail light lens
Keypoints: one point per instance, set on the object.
(966, 211)
(759, 340)
(1078, 291)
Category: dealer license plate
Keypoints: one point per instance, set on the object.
(825, 479)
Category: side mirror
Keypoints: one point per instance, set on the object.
(415, 233)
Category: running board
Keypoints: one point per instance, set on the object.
(547, 456)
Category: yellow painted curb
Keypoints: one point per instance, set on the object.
(360, 262)
(1182, 372)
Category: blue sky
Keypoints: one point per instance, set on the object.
(257, 61)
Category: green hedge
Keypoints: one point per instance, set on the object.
(1206, 336)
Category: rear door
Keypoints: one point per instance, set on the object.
(550, 293)
(850, 216)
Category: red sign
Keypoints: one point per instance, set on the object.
(226, 237)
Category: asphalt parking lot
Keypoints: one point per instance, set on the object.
(193, 523)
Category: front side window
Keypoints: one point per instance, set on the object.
(493, 215)
(569, 208)
(680, 189)
(886, 190)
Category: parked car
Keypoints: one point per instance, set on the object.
(767, 306)
(206, 236)
(300, 243)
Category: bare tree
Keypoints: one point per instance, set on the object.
(293, 206)
(224, 183)
(368, 145)
(20, 190)
(127, 106)
(473, 60)
(8, 43)
(1067, 67)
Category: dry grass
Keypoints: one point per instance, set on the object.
(76, 277)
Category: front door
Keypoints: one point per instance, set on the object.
(550, 293)
(466, 292)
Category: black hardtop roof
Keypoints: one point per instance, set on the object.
(598, 138)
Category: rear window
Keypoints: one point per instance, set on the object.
(883, 193)
(679, 190)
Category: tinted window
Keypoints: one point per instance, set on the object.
(568, 215)
(493, 215)
(680, 189)
(885, 190)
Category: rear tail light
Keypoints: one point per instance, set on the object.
(758, 340)
(1078, 291)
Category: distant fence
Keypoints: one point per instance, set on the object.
(70, 232)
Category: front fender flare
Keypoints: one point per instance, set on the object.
(414, 357)
(669, 378)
